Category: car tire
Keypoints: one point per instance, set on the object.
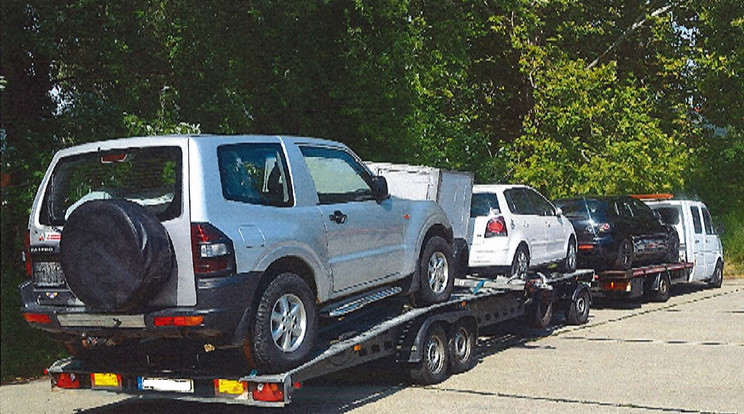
(568, 265)
(434, 365)
(462, 347)
(672, 255)
(115, 254)
(625, 255)
(520, 263)
(436, 272)
(285, 326)
(716, 281)
(578, 311)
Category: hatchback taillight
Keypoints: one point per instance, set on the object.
(496, 227)
(212, 251)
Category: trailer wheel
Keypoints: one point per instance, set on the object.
(578, 311)
(436, 272)
(285, 327)
(716, 281)
(540, 312)
(434, 365)
(462, 347)
(662, 292)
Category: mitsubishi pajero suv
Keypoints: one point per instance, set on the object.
(221, 242)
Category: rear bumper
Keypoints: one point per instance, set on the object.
(223, 304)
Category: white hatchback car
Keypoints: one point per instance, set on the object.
(514, 228)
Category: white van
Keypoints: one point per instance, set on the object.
(698, 241)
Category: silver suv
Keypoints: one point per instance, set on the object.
(221, 242)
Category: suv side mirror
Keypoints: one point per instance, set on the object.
(380, 188)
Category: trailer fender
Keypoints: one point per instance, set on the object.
(580, 288)
(412, 351)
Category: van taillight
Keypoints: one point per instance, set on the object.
(27, 254)
(212, 251)
(496, 227)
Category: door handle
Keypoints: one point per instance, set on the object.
(338, 217)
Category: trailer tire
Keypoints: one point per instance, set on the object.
(540, 312)
(716, 281)
(286, 313)
(661, 294)
(462, 347)
(436, 270)
(578, 311)
(434, 365)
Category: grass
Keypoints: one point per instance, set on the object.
(733, 245)
(24, 352)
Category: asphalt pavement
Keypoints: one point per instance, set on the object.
(682, 356)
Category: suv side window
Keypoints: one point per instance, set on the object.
(255, 174)
(696, 220)
(540, 204)
(708, 222)
(338, 176)
(519, 202)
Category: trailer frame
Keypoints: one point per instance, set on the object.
(390, 328)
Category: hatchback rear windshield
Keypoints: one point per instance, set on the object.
(584, 209)
(147, 176)
(484, 204)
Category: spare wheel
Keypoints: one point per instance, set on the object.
(115, 255)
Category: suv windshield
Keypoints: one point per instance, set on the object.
(147, 176)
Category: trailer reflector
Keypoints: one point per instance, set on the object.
(65, 380)
(105, 381)
(267, 392)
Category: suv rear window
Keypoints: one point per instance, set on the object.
(148, 176)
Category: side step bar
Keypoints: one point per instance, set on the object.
(357, 302)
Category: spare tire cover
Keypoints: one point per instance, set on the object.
(115, 254)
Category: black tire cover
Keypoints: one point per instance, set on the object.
(115, 254)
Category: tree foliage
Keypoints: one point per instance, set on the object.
(570, 96)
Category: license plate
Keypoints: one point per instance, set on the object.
(48, 274)
(166, 384)
(101, 380)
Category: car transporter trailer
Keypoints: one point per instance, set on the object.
(653, 282)
(432, 342)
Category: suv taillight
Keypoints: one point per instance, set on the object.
(496, 227)
(212, 251)
(27, 254)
